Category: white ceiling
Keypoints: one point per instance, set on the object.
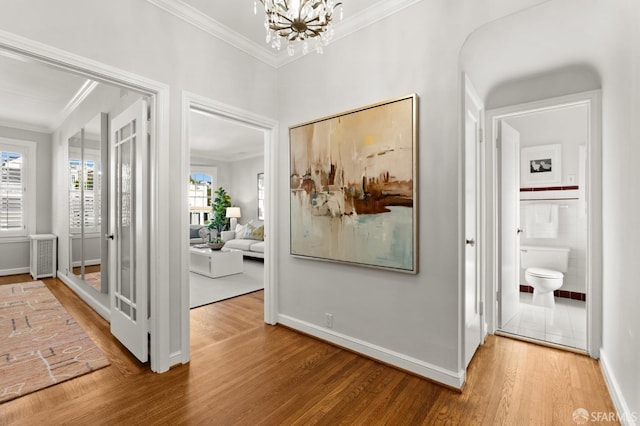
(234, 22)
(34, 96)
(223, 140)
(238, 15)
(558, 125)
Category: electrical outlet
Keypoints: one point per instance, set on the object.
(328, 320)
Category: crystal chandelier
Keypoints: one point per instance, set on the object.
(290, 21)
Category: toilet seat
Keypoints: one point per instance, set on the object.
(544, 273)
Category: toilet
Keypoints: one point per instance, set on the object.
(544, 267)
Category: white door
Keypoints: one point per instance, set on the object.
(128, 245)
(509, 287)
(473, 109)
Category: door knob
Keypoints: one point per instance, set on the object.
(108, 236)
(471, 242)
(519, 231)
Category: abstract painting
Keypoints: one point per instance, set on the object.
(353, 186)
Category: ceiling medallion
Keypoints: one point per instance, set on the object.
(291, 21)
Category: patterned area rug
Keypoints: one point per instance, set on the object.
(40, 343)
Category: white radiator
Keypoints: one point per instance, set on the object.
(43, 255)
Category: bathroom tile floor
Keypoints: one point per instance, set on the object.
(565, 324)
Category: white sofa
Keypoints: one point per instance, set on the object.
(250, 243)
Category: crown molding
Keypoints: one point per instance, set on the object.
(354, 23)
(209, 25)
(74, 102)
(369, 16)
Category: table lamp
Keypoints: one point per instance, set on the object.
(233, 213)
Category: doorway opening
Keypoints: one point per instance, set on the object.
(251, 182)
(226, 228)
(156, 294)
(547, 198)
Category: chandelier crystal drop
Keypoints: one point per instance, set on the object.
(292, 21)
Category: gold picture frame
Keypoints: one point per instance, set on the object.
(353, 186)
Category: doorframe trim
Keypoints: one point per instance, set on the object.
(270, 128)
(159, 327)
(593, 195)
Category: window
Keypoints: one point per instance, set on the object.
(17, 187)
(260, 196)
(84, 183)
(201, 185)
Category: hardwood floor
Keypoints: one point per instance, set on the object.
(244, 372)
(87, 269)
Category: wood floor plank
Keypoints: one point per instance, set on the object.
(244, 372)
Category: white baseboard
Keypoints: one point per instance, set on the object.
(625, 415)
(93, 262)
(87, 297)
(14, 271)
(176, 358)
(413, 365)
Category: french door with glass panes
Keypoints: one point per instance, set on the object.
(128, 238)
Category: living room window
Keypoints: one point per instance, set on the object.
(17, 187)
(200, 190)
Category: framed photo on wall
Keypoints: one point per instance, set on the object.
(353, 186)
(541, 166)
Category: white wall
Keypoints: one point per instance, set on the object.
(621, 201)
(244, 186)
(138, 37)
(568, 127)
(603, 36)
(566, 80)
(408, 320)
(15, 256)
(91, 252)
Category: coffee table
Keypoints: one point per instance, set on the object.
(215, 263)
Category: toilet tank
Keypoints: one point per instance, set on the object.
(555, 258)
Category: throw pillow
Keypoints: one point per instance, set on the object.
(247, 232)
(204, 233)
(241, 231)
(256, 223)
(194, 232)
(255, 233)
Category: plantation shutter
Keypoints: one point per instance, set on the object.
(89, 177)
(75, 199)
(91, 197)
(11, 191)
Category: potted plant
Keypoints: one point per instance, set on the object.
(216, 243)
(219, 221)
